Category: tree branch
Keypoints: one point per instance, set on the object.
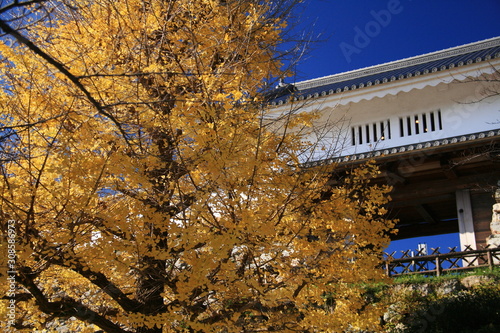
(101, 281)
(17, 4)
(60, 67)
(67, 307)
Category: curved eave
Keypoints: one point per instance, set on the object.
(393, 86)
(441, 63)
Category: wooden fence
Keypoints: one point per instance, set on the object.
(438, 263)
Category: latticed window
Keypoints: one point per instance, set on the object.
(371, 132)
(420, 123)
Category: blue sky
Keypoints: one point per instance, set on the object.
(353, 34)
(358, 33)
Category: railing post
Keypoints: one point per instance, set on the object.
(387, 269)
(490, 259)
(438, 267)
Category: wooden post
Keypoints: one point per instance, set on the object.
(438, 267)
(387, 269)
(490, 259)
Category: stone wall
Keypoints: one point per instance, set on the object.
(494, 239)
(468, 304)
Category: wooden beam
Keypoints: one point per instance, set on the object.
(393, 177)
(421, 201)
(424, 212)
(434, 188)
(447, 169)
(425, 229)
(391, 174)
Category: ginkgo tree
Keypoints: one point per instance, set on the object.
(151, 194)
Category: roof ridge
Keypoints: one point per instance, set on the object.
(397, 64)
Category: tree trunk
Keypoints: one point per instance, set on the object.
(150, 289)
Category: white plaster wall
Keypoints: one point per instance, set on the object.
(462, 103)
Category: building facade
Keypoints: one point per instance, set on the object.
(431, 122)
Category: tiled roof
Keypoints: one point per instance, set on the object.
(398, 70)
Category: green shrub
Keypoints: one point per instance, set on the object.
(471, 311)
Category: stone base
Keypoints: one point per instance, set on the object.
(495, 228)
(494, 241)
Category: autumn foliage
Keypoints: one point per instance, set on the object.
(149, 193)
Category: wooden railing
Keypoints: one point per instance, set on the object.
(438, 263)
